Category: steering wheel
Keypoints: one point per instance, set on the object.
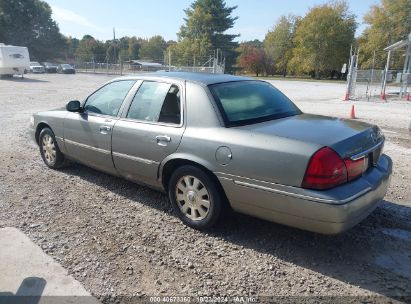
(93, 109)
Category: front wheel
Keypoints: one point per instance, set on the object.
(50, 152)
(195, 197)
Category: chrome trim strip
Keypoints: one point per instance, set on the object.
(310, 198)
(135, 158)
(87, 146)
(364, 153)
(164, 124)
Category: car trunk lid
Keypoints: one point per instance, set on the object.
(349, 138)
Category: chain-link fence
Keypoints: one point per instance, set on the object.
(366, 84)
(116, 68)
(218, 69)
(140, 67)
(393, 85)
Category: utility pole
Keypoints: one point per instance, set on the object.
(169, 59)
(114, 45)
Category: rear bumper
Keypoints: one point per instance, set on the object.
(328, 212)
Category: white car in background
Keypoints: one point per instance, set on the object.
(36, 67)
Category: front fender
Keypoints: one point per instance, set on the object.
(55, 121)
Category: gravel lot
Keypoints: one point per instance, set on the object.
(118, 238)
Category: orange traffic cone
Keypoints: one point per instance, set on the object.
(352, 115)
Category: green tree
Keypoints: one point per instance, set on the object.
(134, 46)
(388, 22)
(153, 49)
(190, 52)
(90, 49)
(205, 25)
(29, 23)
(72, 45)
(278, 42)
(323, 39)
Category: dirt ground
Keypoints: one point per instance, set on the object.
(121, 239)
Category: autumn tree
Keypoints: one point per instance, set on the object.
(29, 23)
(278, 43)
(251, 57)
(388, 22)
(323, 39)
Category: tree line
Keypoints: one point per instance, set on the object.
(317, 44)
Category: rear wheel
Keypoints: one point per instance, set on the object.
(195, 197)
(49, 150)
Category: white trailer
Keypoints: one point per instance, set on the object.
(14, 60)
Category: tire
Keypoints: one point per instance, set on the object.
(195, 197)
(49, 150)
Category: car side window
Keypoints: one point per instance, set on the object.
(156, 102)
(109, 98)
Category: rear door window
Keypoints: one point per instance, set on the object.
(156, 102)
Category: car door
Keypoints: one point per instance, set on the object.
(149, 130)
(87, 135)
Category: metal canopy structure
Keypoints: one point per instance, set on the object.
(406, 74)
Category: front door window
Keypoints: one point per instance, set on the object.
(108, 99)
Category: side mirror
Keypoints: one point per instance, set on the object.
(74, 106)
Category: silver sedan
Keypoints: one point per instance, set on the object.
(221, 142)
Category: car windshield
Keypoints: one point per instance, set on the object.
(247, 102)
(34, 63)
(66, 66)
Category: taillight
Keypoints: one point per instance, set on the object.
(356, 168)
(327, 169)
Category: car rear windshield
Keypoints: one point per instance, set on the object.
(248, 102)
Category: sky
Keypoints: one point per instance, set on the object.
(146, 18)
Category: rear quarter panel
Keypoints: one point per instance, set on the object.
(255, 156)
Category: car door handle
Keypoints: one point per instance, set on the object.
(105, 129)
(163, 138)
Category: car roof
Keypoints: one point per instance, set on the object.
(201, 78)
